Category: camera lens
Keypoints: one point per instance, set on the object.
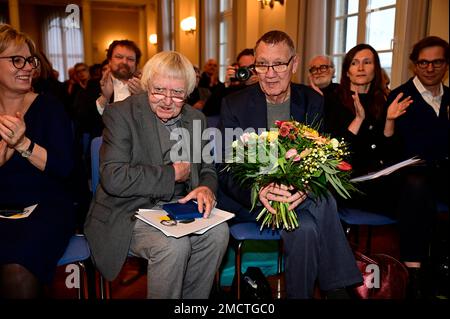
(243, 74)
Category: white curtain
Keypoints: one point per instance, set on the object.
(62, 41)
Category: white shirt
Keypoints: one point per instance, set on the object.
(121, 92)
(433, 101)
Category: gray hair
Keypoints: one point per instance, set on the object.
(275, 37)
(329, 58)
(169, 64)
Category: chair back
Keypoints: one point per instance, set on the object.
(77, 250)
(95, 162)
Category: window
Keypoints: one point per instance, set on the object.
(363, 21)
(225, 31)
(63, 42)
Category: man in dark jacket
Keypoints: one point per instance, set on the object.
(318, 249)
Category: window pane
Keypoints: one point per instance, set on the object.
(345, 7)
(345, 34)
(380, 29)
(386, 61)
(226, 5)
(373, 4)
(337, 60)
(352, 33)
(222, 31)
(223, 48)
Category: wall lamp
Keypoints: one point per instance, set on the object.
(270, 3)
(189, 25)
(153, 38)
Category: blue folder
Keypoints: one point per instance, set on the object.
(179, 211)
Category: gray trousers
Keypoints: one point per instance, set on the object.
(179, 267)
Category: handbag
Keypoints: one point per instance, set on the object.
(384, 277)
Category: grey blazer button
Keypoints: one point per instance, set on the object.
(373, 146)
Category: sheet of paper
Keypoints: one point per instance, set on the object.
(198, 226)
(387, 170)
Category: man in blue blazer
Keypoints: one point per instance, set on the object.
(318, 249)
(421, 130)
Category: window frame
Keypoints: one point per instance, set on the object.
(362, 33)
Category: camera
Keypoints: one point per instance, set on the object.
(242, 74)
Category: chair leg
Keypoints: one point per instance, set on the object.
(237, 268)
(83, 291)
(279, 267)
(105, 288)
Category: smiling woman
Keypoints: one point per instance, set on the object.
(36, 159)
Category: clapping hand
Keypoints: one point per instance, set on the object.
(396, 108)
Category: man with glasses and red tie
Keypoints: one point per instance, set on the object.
(318, 250)
(140, 167)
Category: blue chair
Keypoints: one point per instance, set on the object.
(95, 162)
(77, 252)
(105, 285)
(250, 231)
(357, 217)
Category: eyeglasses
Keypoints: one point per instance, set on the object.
(320, 69)
(278, 67)
(19, 61)
(438, 63)
(128, 58)
(176, 96)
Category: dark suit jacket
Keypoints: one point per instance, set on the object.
(248, 109)
(133, 176)
(420, 131)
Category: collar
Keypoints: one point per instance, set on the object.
(423, 91)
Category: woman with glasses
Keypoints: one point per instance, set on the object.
(142, 166)
(36, 159)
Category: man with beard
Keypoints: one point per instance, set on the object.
(121, 78)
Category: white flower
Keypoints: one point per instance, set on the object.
(335, 143)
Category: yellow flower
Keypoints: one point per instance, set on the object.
(272, 136)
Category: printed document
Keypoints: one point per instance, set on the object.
(199, 226)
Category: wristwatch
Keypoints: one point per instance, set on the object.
(29, 151)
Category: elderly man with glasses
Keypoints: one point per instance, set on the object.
(321, 73)
(318, 250)
(140, 167)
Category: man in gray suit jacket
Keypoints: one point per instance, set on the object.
(138, 170)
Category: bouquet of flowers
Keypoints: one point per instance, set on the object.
(292, 154)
